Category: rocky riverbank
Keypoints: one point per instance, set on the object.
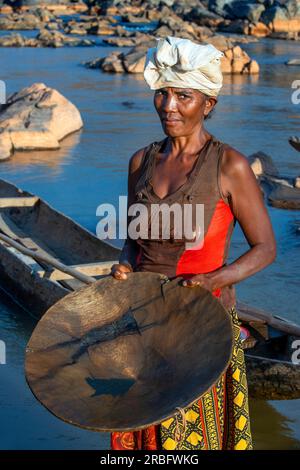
(259, 18)
(124, 26)
(122, 23)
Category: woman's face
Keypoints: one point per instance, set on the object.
(182, 110)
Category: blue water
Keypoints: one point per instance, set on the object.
(253, 113)
(26, 33)
(143, 27)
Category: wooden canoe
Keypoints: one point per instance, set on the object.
(37, 226)
(37, 286)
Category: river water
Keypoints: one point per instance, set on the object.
(253, 114)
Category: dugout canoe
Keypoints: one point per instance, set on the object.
(34, 224)
(270, 349)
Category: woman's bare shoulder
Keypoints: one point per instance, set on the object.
(237, 175)
(137, 158)
(235, 163)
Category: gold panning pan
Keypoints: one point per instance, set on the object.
(122, 355)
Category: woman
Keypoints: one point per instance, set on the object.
(192, 166)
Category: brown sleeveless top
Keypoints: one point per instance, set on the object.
(170, 256)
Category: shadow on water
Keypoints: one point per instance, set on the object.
(271, 429)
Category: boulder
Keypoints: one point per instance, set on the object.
(234, 27)
(43, 14)
(219, 7)
(136, 39)
(112, 63)
(74, 31)
(24, 22)
(281, 192)
(259, 30)
(94, 63)
(52, 26)
(297, 182)
(235, 60)
(16, 40)
(175, 26)
(252, 68)
(203, 16)
(290, 27)
(293, 8)
(129, 18)
(122, 32)
(246, 10)
(293, 62)
(173, 22)
(284, 196)
(37, 117)
(102, 28)
(163, 31)
(262, 164)
(55, 39)
(74, 27)
(280, 20)
(5, 9)
(44, 38)
(135, 62)
(6, 146)
(223, 43)
(275, 12)
(183, 7)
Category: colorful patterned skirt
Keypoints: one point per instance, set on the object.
(219, 420)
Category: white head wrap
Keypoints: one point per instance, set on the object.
(181, 63)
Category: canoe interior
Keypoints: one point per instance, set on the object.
(55, 233)
(39, 227)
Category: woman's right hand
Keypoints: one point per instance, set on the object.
(119, 271)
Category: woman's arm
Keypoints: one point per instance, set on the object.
(247, 204)
(129, 251)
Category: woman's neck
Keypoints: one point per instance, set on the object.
(186, 145)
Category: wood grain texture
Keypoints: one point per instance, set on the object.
(122, 355)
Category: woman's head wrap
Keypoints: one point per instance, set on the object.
(181, 63)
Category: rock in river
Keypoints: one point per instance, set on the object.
(281, 192)
(37, 117)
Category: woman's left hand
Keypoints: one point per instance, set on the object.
(228, 294)
(199, 280)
